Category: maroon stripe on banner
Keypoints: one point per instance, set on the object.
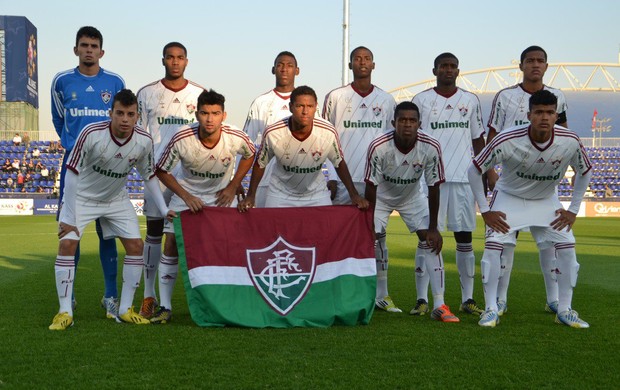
(220, 236)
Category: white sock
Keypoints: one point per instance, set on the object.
(152, 255)
(167, 277)
(382, 266)
(548, 265)
(466, 264)
(566, 273)
(64, 269)
(507, 262)
(422, 277)
(490, 266)
(435, 271)
(132, 270)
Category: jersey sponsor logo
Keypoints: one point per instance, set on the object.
(363, 124)
(109, 172)
(282, 273)
(534, 176)
(519, 122)
(88, 112)
(90, 89)
(207, 175)
(106, 96)
(449, 125)
(298, 169)
(399, 180)
(173, 120)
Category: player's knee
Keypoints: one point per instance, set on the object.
(154, 227)
(463, 237)
(133, 247)
(170, 246)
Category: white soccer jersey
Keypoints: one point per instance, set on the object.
(265, 110)
(163, 110)
(510, 107)
(359, 119)
(530, 171)
(454, 121)
(397, 173)
(204, 171)
(103, 161)
(298, 168)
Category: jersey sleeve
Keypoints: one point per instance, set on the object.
(335, 154)
(374, 169)
(477, 128)
(145, 165)
(253, 124)
(142, 111)
(562, 109)
(328, 109)
(433, 171)
(488, 157)
(169, 156)
(246, 148)
(579, 160)
(79, 156)
(58, 109)
(265, 152)
(498, 114)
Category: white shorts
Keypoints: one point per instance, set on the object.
(169, 226)
(537, 214)
(456, 204)
(153, 212)
(342, 195)
(118, 218)
(274, 199)
(415, 214)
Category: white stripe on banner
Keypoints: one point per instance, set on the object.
(239, 276)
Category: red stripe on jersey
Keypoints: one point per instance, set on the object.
(190, 131)
(148, 85)
(499, 139)
(493, 105)
(382, 139)
(79, 144)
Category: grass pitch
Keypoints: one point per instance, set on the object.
(396, 351)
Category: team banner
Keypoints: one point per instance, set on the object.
(280, 267)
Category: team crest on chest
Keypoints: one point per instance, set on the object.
(377, 110)
(316, 155)
(417, 167)
(226, 161)
(282, 273)
(556, 162)
(463, 110)
(106, 96)
(190, 108)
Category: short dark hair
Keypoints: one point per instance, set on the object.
(406, 106)
(360, 48)
(303, 90)
(442, 56)
(530, 49)
(125, 97)
(90, 32)
(173, 44)
(211, 97)
(543, 97)
(284, 53)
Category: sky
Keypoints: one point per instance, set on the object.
(232, 44)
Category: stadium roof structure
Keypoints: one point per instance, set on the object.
(581, 77)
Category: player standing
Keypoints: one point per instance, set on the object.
(360, 112)
(104, 154)
(207, 151)
(270, 107)
(396, 162)
(534, 158)
(164, 106)
(300, 145)
(453, 116)
(81, 96)
(510, 108)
